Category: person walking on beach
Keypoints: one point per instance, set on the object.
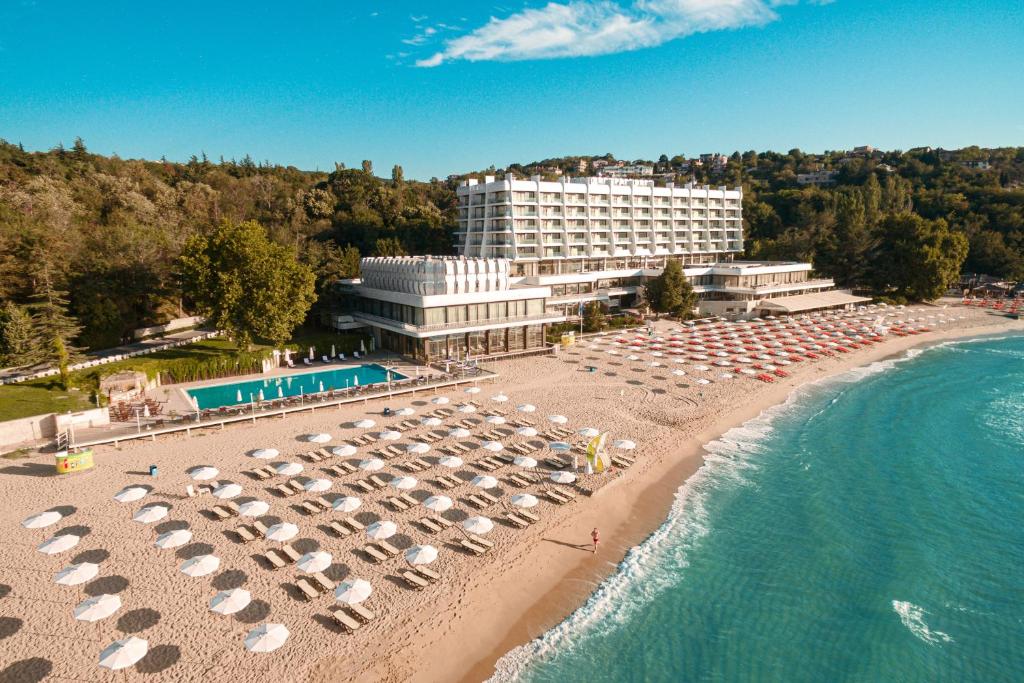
(595, 536)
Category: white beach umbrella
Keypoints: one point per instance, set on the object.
(130, 494)
(227, 491)
(42, 519)
(97, 607)
(364, 424)
(430, 421)
(499, 398)
(418, 447)
(450, 461)
(318, 438)
(495, 419)
(203, 473)
(440, 400)
(703, 381)
(459, 432)
(314, 562)
(150, 514)
(379, 531)
(526, 431)
(473, 390)
(679, 373)
(405, 412)
(58, 544)
(253, 508)
(123, 653)
(560, 446)
(173, 539)
(438, 503)
(632, 357)
(344, 450)
(492, 446)
(281, 532)
(265, 453)
(317, 485)
(421, 554)
(390, 435)
(484, 481)
(558, 419)
(347, 504)
(524, 500)
(466, 408)
(74, 574)
(563, 477)
(588, 432)
(478, 525)
(201, 565)
(289, 469)
(526, 408)
(230, 601)
(266, 638)
(624, 444)
(353, 591)
(524, 461)
(403, 483)
(371, 465)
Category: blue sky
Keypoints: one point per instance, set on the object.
(453, 86)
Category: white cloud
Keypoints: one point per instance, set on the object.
(581, 28)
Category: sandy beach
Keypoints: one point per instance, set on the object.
(452, 630)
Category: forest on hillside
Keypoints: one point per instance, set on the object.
(90, 245)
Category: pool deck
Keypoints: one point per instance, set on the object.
(186, 420)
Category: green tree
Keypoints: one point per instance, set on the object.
(671, 292)
(593, 317)
(17, 339)
(843, 252)
(917, 258)
(55, 329)
(350, 259)
(872, 193)
(388, 246)
(397, 175)
(367, 167)
(245, 284)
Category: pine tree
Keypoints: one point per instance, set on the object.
(671, 292)
(397, 175)
(367, 167)
(593, 317)
(55, 330)
(17, 340)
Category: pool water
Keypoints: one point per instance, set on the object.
(290, 385)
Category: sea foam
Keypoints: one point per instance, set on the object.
(912, 617)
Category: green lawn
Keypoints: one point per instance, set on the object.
(38, 398)
(42, 396)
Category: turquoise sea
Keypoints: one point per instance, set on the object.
(870, 529)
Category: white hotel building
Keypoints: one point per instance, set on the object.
(531, 252)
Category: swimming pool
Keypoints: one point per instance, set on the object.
(290, 385)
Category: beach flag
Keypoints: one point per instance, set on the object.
(596, 457)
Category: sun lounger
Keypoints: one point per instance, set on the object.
(274, 560)
(220, 513)
(481, 541)
(364, 485)
(485, 464)
(283, 490)
(190, 491)
(306, 590)
(428, 574)
(408, 467)
(320, 580)
(374, 554)
(441, 521)
(340, 530)
(444, 483)
(555, 498)
(516, 521)
(388, 548)
(361, 613)
(621, 462)
(376, 480)
(478, 503)
(261, 473)
(556, 463)
(344, 620)
(312, 456)
(324, 504)
(396, 504)
(409, 500)
(244, 534)
(309, 508)
(413, 580)
(429, 525)
(295, 486)
(488, 497)
(356, 525)
(260, 528)
(290, 553)
(528, 516)
(472, 547)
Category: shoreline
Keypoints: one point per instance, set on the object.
(650, 500)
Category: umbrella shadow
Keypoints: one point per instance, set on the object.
(292, 590)
(328, 623)
(366, 517)
(96, 555)
(255, 611)
(79, 530)
(172, 525)
(106, 585)
(232, 578)
(9, 626)
(29, 670)
(338, 572)
(159, 659)
(401, 541)
(64, 510)
(190, 550)
(5, 590)
(456, 515)
(306, 545)
(138, 620)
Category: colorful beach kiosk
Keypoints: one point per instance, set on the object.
(68, 463)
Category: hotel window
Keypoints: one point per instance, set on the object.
(476, 312)
(516, 309)
(516, 338)
(496, 341)
(534, 336)
(477, 342)
(436, 348)
(456, 314)
(433, 316)
(535, 306)
(497, 311)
